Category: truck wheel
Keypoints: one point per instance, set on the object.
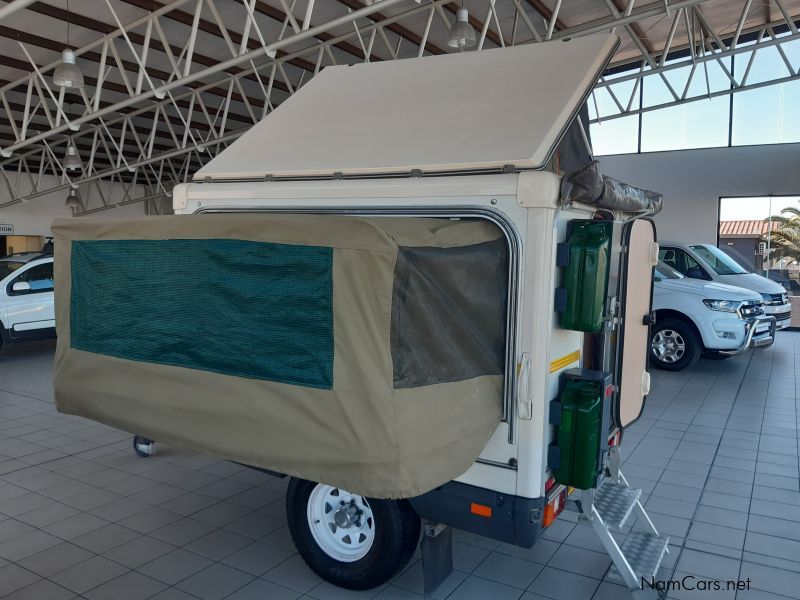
(350, 541)
(673, 345)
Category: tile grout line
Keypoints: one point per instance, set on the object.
(711, 466)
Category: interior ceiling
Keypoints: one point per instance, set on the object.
(44, 29)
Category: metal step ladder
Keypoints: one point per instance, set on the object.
(607, 509)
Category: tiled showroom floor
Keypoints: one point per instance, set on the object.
(81, 516)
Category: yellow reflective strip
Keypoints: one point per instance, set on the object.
(564, 361)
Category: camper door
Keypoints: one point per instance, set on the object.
(636, 294)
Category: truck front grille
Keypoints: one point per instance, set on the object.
(776, 299)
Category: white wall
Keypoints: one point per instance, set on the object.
(692, 182)
(34, 217)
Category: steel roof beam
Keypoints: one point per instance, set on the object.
(40, 42)
(217, 135)
(540, 7)
(766, 38)
(106, 29)
(395, 28)
(166, 88)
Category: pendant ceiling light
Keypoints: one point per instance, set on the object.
(72, 161)
(74, 199)
(68, 74)
(462, 35)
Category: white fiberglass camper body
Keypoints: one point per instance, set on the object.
(472, 137)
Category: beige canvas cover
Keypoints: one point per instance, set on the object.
(366, 432)
(443, 113)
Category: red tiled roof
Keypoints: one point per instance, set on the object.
(754, 228)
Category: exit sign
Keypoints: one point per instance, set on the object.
(6, 229)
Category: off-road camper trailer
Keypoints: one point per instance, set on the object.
(393, 296)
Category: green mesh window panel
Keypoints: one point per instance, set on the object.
(249, 309)
(449, 313)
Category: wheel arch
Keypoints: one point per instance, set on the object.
(668, 313)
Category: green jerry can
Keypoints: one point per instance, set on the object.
(579, 433)
(586, 276)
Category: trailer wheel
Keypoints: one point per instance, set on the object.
(673, 345)
(349, 540)
(143, 446)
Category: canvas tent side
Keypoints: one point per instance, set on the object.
(294, 343)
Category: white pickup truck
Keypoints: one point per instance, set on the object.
(694, 317)
(26, 297)
(708, 263)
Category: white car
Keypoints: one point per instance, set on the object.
(694, 317)
(709, 263)
(26, 297)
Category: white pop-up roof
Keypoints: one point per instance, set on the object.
(456, 112)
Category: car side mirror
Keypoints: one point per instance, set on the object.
(21, 286)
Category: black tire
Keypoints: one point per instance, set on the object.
(397, 529)
(143, 446)
(678, 330)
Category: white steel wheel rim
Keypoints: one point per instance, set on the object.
(669, 346)
(341, 523)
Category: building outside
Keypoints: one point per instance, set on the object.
(744, 241)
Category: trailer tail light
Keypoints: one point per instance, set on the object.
(481, 510)
(554, 508)
(615, 439)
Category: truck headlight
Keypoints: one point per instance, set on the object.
(723, 305)
(751, 309)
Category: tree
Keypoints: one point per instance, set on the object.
(785, 242)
